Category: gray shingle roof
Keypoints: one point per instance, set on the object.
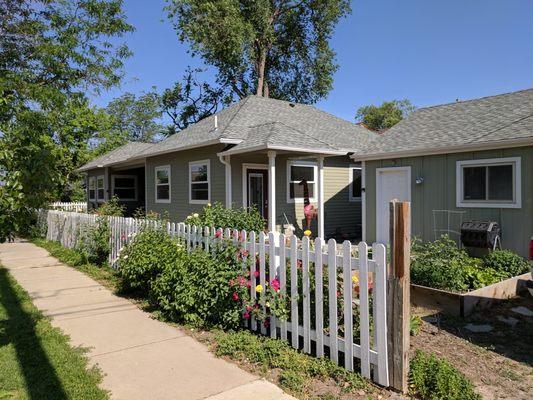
(236, 121)
(120, 154)
(504, 117)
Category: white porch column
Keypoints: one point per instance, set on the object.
(228, 182)
(107, 185)
(272, 191)
(320, 196)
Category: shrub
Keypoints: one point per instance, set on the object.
(507, 263)
(435, 379)
(218, 216)
(151, 252)
(199, 293)
(111, 208)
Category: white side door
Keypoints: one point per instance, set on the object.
(391, 183)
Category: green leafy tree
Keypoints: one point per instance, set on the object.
(135, 117)
(385, 116)
(190, 101)
(50, 52)
(277, 48)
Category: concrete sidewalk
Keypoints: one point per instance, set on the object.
(140, 357)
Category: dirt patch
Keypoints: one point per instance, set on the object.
(499, 362)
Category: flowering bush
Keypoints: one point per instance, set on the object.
(218, 216)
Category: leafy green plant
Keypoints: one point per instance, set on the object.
(218, 216)
(415, 324)
(150, 253)
(111, 208)
(199, 293)
(436, 379)
(507, 263)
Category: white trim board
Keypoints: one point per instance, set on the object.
(485, 162)
(351, 167)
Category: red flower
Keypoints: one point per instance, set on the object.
(256, 274)
(249, 284)
(266, 322)
(249, 308)
(235, 296)
(246, 315)
(275, 284)
(218, 234)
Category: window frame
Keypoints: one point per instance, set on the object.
(168, 170)
(135, 187)
(194, 163)
(515, 162)
(98, 199)
(91, 179)
(350, 183)
(288, 181)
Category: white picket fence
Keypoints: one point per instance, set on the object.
(313, 329)
(69, 206)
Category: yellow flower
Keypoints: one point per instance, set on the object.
(355, 279)
(307, 232)
(208, 204)
(259, 288)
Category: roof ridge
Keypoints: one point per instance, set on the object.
(472, 100)
(243, 102)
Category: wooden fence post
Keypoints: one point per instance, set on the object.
(398, 299)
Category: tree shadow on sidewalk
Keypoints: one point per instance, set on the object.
(18, 322)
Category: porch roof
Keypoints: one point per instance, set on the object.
(279, 136)
(117, 156)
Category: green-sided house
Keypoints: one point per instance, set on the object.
(255, 152)
(465, 160)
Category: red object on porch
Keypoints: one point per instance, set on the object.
(531, 248)
(310, 212)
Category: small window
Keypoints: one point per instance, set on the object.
(125, 187)
(298, 171)
(92, 188)
(355, 183)
(489, 183)
(100, 188)
(162, 184)
(199, 175)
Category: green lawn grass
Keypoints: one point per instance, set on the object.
(36, 360)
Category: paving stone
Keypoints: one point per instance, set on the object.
(526, 312)
(478, 328)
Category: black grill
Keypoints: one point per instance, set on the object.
(481, 234)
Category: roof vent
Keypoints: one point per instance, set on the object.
(292, 104)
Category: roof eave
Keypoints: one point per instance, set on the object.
(282, 148)
(444, 150)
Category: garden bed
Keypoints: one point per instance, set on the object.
(462, 304)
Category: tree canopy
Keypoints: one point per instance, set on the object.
(276, 48)
(51, 53)
(385, 116)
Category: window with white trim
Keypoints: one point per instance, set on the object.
(490, 183)
(92, 188)
(355, 182)
(100, 188)
(199, 175)
(162, 184)
(124, 187)
(298, 171)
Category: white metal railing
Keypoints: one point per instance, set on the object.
(331, 330)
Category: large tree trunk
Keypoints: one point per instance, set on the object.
(261, 72)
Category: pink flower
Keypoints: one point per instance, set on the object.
(235, 296)
(256, 274)
(249, 308)
(122, 237)
(266, 322)
(249, 284)
(218, 234)
(275, 284)
(246, 315)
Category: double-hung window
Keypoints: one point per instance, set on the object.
(100, 188)
(199, 184)
(125, 187)
(355, 182)
(92, 188)
(162, 184)
(489, 183)
(298, 171)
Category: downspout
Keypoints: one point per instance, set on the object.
(226, 161)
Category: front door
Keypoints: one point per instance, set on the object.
(391, 183)
(257, 190)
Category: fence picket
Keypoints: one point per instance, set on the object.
(380, 315)
(271, 276)
(319, 301)
(332, 294)
(364, 324)
(294, 293)
(282, 280)
(306, 292)
(252, 251)
(348, 306)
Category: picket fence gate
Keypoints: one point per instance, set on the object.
(282, 257)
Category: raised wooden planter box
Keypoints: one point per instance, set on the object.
(462, 304)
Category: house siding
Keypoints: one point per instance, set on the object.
(438, 192)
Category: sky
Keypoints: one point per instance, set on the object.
(428, 51)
